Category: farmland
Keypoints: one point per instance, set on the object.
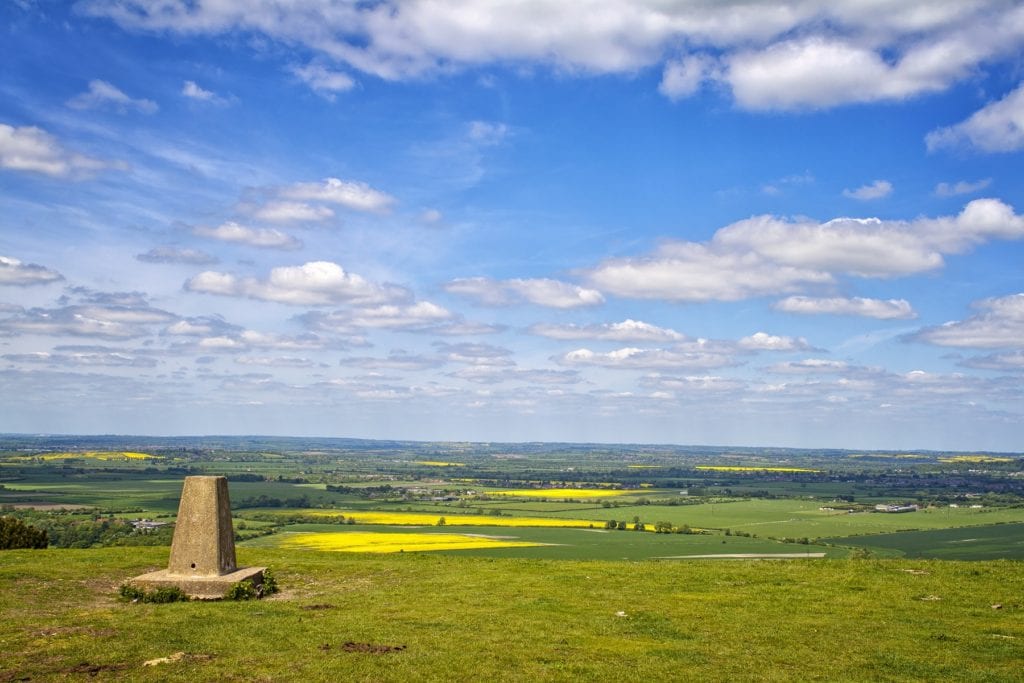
(525, 561)
(570, 501)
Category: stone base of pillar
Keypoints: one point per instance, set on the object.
(199, 587)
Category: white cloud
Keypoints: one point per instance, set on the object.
(767, 255)
(762, 341)
(88, 320)
(788, 54)
(327, 82)
(316, 283)
(14, 272)
(810, 366)
(998, 127)
(168, 254)
(875, 190)
(626, 331)
(882, 309)
(265, 238)
(682, 78)
(539, 291)
(103, 94)
(961, 187)
(28, 148)
(688, 271)
(192, 91)
(1011, 361)
(416, 316)
(285, 212)
(352, 195)
(998, 325)
(631, 358)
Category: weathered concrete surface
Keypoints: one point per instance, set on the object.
(200, 587)
(202, 562)
(204, 540)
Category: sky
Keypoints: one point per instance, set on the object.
(794, 223)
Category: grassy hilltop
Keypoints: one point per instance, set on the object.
(413, 616)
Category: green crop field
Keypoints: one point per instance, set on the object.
(967, 543)
(424, 617)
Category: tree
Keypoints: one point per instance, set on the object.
(442, 521)
(16, 534)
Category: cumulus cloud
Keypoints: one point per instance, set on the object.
(810, 366)
(103, 94)
(418, 316)
(109, 321)
(324, 81)
(316, 283)
(14, 272)
(786, 55)
(32, 149)
(627, 331)
(286, 212)
(1011, 361)
(539, 291)
(168, 254)
(353, 195)
(997, 127)
(961, 187)
(85, 356)
(882, 309)
(264, 238)
(875, 190)
(762, 341)
(768, 255)
(683, 77)
(632, 358)
(998, 325)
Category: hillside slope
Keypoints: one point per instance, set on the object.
(422, 617)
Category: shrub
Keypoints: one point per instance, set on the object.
(243, 590)
(14, 533)
(133, 593)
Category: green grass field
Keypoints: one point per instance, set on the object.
(465, 618)
(968, 543)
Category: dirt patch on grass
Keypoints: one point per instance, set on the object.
(93, 669)
(367, 648)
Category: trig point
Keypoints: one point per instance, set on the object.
(202, 560)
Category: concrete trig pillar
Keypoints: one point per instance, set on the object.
(202, 562)
(204, 541)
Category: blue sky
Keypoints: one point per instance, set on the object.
(749, 223)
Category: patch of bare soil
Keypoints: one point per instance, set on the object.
(368, 648)
(93, 669)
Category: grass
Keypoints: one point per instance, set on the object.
(967, 543)
(462, 618)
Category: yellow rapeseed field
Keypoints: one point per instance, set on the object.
(93, 455)
(431, 519)
(975, 458)
(377, 542)
(438, 463)
(737, 468)
(565, 493)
